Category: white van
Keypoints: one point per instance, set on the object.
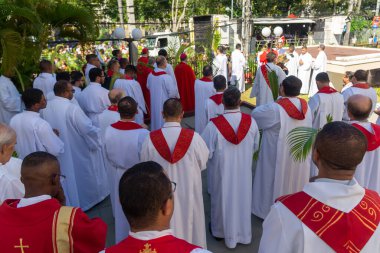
(162, 40)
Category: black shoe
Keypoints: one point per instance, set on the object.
(216, 238)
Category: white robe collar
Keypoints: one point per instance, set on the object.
(150, 235)
(33, 200)
(171, 124)
(232, 111)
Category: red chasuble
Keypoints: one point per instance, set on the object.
(327, 90)
(47, 227)
(372, 138)
(361, 85)
(160, 73)
(143, 71)
(292, 110)
(165, 244)
(180, 149)
(185, 80)
(121, 125)
(217, 98)
(228, 132)
(343, 232)
(113, 108)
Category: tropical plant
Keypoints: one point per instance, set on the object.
(26, 26)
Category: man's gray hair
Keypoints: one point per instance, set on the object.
(6, 135)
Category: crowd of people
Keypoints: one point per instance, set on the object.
(77, 144)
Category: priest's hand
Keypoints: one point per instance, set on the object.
(56, 131)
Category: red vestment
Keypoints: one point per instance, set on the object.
(292, 110)
(263, 56)
(327, 90)
(228, 132)
(217, 98)
(163, 244)
(373, 139)
(185, 80)
(143, 71)
(49, 228)
(343, 232)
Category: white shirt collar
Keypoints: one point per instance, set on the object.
(172, 124)
(46, 74)
(33, 200)
(35, 114)
(150, 235)
(230, 111)
(157, 69)
(94, 83)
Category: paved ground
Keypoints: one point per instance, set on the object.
(333, 52)
(103, 210)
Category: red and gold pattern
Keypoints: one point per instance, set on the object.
(373, 139)
(180, 149)
(292, 110)
(217, 98)
(327, 90)
(343, 232)
(228, 132)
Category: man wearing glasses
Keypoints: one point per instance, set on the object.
(38, 222)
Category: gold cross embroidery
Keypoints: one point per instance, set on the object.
(21, 246)
(147, 249)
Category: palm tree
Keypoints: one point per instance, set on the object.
(27, 25)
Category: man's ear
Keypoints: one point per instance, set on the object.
(182, 114)
(315, 156)
(168, 207)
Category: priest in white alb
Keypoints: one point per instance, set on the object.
(82, 162)
(367, 173)
(204, 88)
(111, 114)
(161, 87)
(169, 68)
(326, 103)
(292, 64)
(10, 167)
(238, 64)
(92, 62)
(183, 154)
(318, 66)
(45, 80)
(304, 69)
(232, 139)
(33, 132)
(359, 86)
(94, 98)
(277, 173)
(121, 136)
(267, 81)
(10, 99)
(133, 89)
(214, 105)
(332, 214)
(220, 63)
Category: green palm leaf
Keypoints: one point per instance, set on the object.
(301, 140)
(12, 46)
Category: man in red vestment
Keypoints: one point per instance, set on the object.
(39, 223)
(185, 80)
(333, 213)
(146, 195)
(143, 71)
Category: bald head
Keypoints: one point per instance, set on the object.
(161, 62)
(7, 143)
(115, 95)
(359, 107)
(339, 147)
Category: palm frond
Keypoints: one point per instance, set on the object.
(301, 140)
(12, 46)
(15, 12)
(329, 118)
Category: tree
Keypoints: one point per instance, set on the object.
(27, 25)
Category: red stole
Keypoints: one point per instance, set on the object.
(128, 77)
(264, 71)
(217, 98)
(292, 110)
(180, 149)
(343, 232)
(160, 73)
(361, 85)
(113, 108)
(121, 125)
(373, 139)
(327, 90)
(205, 79)
(228, 132)
(163, 244)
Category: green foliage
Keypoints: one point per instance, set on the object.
(360, 23)
(301, 140)
(273, 82)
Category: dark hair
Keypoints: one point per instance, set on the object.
(112, 62)
(37, 159)
(361, 75)
(238, 46)
(340, 146)
(94, 73)
(130, 68)
(90, 57)
(221, 49)
(207, 70)
(292, 86)
(75, 76)
(304, 47)
(349, 74)
(45, 65)
(220, 82)
(322, 77)
(357, 110)
(127, 107)
(231, 97)
(322, 46)
(63, 76)
(163, 53)
(31, 97)
(271, 57)
(160, 60)
(143, 190)
(60, 87)
(115, 52)
(124, 61)
(172, 107)
(292, 47)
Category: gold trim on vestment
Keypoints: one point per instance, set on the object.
(64, 223)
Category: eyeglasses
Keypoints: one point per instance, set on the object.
(174, 186)
(72, 91)
(62, 177)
